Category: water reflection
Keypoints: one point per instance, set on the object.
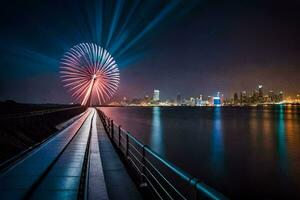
(157, 132)
(254, 128)
(250, 153)
(292, 139)
(281, 139)
(217, 146)
(267, 131)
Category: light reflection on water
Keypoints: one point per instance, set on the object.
(217, 142)
(245, 153)
(157, 143)
(283, 160)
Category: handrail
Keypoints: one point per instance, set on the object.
(147, 171)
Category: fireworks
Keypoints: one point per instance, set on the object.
(90, 73)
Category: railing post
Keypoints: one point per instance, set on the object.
(112, 129)
(127, 145)
(143, 182)
(119, 144)
(196, 190)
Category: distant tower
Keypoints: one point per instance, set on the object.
(244, 97)
(241, 98)
(271, 96)
(235, 99)
(255, 96)
(280, 96)
(156, 95)
(192, 101)
(260, 94)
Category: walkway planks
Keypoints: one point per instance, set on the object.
(118, 182)
(96, 182)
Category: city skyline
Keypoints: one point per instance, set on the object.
(257, 96)
(199, 93)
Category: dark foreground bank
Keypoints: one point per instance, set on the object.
(25, 125)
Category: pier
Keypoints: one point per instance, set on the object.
(92, 157)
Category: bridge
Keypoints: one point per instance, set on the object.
(94, 158)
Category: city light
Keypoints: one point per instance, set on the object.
(244, 98)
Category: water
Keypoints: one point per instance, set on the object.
(245, 153)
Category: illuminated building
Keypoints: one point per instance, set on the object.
(260, 94)
(156, 95)
(216, 101)
(192, 101)
(280, 96)
(201, 101)
(235, 99)
(146, 100)
(255, 97)
(244, 98)
(271, 96)
(241, 98)
(178, 100)
(198, 102)
(297, 100)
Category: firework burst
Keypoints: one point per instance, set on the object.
(90, 73)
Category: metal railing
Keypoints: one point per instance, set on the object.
(166, 180)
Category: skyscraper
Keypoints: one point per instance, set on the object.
(156, 95)
(235, 99)
(255, 96)
(260, 94)
(192, 101)
(244, 97)
(280, 99)
(271, 96)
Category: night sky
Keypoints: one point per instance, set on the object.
(182, 47)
